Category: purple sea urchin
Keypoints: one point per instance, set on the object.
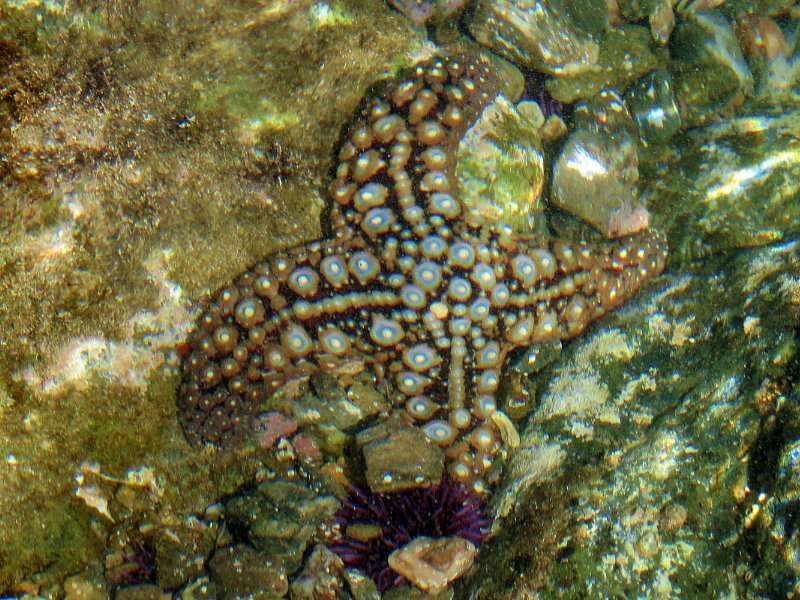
(535, 90)
(374, 525)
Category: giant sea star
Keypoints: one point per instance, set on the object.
(410, 283)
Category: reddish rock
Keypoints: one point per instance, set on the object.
(305, 446)
(274, 426)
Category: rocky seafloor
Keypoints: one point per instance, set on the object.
(152, 151)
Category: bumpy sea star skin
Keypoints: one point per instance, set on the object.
(410, 284)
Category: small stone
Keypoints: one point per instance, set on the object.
(319, 579)
(361, 586)
(648, 544)
(83, 587)
(402, 460)
(554, 129)
(625, 56)
(200, 589)
(369, 400)
(653, 106)
(329, 405)
(305, 447)
(181, 552)
(272, 426)
(672, 517)
(535, 34)
(594, 179)
(279, 518)
(241, 571)
(141, 592)
(432, 564)
(711, 75)
(363, 532)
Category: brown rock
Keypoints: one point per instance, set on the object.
(401, 459)
(432, 564)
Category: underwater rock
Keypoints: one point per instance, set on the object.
(590, 16)
(500, 166)
(84, 587)
(399, 458)
(626, 53)
(648, 445)
(279, 518)
(330, 404)
(361, 586)
(773, 56)
(201, 588)
(519, 394)
(181, 552)
(431, 564)
(320, 578)
(606, 113)
(773, 516)
(652, 104)
(659, 14)
(708, 68)
(242, 572)
(511, 80)
(595, 176)
(534, 34)
(422, 11)
(736, 8)
(272, 426)
(141, 592)
(114, 245)
(594, 179)
(734, 181)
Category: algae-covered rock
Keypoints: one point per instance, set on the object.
(83, 587)
(736, 8)
(535, 34)
(625, 54)
(151, 151)
(201, 588)
(500, 166)
(140, 592)
(399, 458)
(709, 70)
(361, 586)
(181, 552)
(278, 518)
(241, 572)
(772, 519)
(320, 577)
(734, 182)
(635, 471)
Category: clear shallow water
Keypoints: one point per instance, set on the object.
(153, 152)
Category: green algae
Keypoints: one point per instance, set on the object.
(152, 151)
(668, 425)
(500, 166)
(741, 191)
(626, 54)
(134, 180)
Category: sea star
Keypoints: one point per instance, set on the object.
(410, 283)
